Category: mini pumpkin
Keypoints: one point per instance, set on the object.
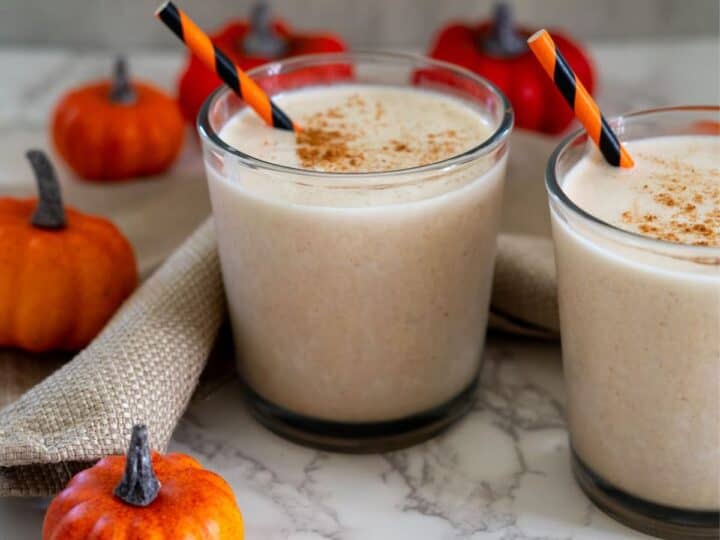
(250, 43)
(117, 129)
(497, 50)
(144, 496)
(62, 273)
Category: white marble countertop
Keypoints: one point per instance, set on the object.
(502, 473)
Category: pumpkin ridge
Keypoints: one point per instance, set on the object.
(97, 238)
(217, 482)
(11, 245)
(62, 502)
(117, 528)
(75, 283)
(118, 247)
(141, 146)
(192, 529)
(15, 322)
(139, 527)
(226, 512)
(73, 519)
(50, 290)
(75, 130)
(79, 283)
(154, 140)
(216, 493)
(211, 527)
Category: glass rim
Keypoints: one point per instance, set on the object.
(557, 193)
(499, 135)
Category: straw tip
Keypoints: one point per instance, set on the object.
(626, 161)
(162, 7)
(537, 35)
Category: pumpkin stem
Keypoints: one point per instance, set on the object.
(121, 90)
(262, 39)
(503, 40)
(139, 485)
(49, 213)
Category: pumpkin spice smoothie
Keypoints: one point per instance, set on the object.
(640, 320)
(343, 298)
(358, 281)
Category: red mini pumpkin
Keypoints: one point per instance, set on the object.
(62, 273)
(117, 129)
(497, 50)
(250, 44)
(144, 497)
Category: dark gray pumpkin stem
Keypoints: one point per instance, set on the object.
(49, 213)
(262, 40)
(503, 41)
(139, 485)
(121, 90)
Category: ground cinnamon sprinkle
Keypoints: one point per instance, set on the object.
(322, 148)
(379, 111)
(686, 192)
(335, 140)
(664, 198)
(399, 146)
(335, 112)
(645, 228)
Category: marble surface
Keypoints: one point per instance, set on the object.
(502, 473)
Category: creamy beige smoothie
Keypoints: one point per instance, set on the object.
(359, 297)
(640, 319)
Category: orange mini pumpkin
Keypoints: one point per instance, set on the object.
(62, 273)
(157, 496)
(117, 129)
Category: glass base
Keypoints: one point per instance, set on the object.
(360, 437)
(650, 518)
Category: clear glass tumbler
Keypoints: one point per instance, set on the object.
(640, 327)
(358, 326)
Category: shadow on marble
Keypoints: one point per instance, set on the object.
(22, 517)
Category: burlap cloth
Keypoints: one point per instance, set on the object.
(142, 368)
(146, 363)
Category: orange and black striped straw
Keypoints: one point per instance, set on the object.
(201, 45)
(577, 96)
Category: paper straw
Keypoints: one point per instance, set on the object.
(584, 106)
(200, 44)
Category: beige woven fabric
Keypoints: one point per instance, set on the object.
(524, 299)
(142, 368)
